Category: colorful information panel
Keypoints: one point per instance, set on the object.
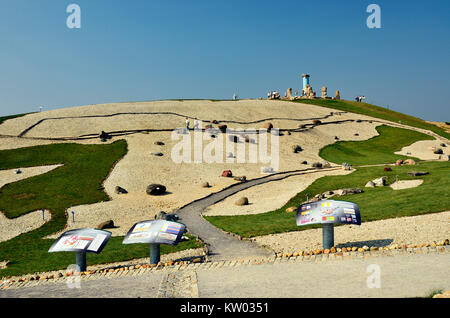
(81, 240)
(328, 211)
(155, 231)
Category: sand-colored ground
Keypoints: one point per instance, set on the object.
(268, 196)
(183, 180)
(409, 230)
(10, 228)
(9, 176)
(423, 150)
(406, 184)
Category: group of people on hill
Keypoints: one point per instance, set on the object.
(360, 98)
(273, 95)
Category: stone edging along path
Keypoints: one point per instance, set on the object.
(199, 263)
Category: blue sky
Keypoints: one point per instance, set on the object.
(147, 50)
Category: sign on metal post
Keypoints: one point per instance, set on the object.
(81, 241)
(155, 232)
(328, 213)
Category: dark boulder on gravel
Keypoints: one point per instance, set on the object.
(120, 190)
(156, 189)
(106, 225)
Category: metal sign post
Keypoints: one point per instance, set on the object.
(155, 253)
(155, 233)
(328, 235)
(81, 241)
(328, 213)
(81, 261)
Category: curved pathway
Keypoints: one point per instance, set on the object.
(221, 245)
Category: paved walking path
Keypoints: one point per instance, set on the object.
(221, 245)
(406, 274)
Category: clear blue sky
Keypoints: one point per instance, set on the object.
(145, 50)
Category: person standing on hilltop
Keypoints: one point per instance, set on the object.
(187, 124)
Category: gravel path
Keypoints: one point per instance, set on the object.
(221, 245)
(403, 275)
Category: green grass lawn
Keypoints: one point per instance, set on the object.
(377, 112)
(78, 182)
(379, 149)
(375, 203)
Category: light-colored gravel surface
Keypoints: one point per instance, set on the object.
(406, 184)
(9, 176)
(139, 168)
(423, 150)
(183, 181)
(409, 230)
(268, 196)
(10, 228)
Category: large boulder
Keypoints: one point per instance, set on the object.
(156, 189)
(418, 173)
(104, 136)
(268, 126)
(227, 173)
(106, 225)
(241, 179)
(223, 128)
(165, 216)
(242, 201)
(296, 148)
(370, 184)
(409, 162)
(120, 190)
(351, 191)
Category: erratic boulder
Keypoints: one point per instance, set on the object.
(223, 128)
(156, 189)
(296, 148)
(120, 190)
(409, 162)
(418, 173)
(242, 201)
(106, 225)
(351, 191)
(268, 126)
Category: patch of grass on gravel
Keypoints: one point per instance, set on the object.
(379, 149)
(4, 118)
(78, 182)
(376, 112)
